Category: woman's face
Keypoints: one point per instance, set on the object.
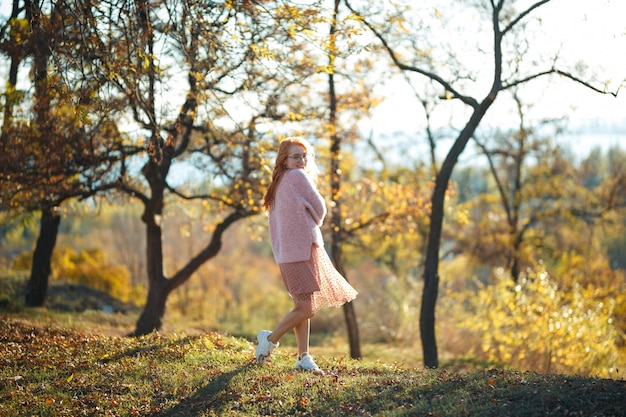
(296, 157)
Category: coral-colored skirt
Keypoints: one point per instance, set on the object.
(316, 282)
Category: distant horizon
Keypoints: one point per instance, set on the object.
(400, 146)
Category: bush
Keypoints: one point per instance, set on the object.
(10, 282)
(88, 267)
(533, 325)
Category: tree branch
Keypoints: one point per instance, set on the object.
(470, 101)
(211, 250)
(134, 192)
(523, 15)
(562, 74)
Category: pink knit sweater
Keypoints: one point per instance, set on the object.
(295, 218)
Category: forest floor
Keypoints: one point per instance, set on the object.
(74, 364)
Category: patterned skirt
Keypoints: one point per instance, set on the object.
(316, 283)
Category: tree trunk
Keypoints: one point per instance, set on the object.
(37, 287)
(431, 276)
(348, 308)
(335, 184)
(155, 172)
(431, 265)
(159, 286)
(353, 330)
(151, 318)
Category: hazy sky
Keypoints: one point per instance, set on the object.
(593, 32)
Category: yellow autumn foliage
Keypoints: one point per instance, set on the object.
(90, 267)
(534, 325)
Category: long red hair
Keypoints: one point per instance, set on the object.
(280, 167)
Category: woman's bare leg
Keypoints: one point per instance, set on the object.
(302, 331)
(291, 321)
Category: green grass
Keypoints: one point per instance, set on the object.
(74, 365)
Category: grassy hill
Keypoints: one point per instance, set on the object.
(61, 364)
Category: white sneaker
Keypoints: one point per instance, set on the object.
(265, 347)
(306, 363)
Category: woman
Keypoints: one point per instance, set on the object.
(296, 212)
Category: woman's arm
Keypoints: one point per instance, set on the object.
(308, 195)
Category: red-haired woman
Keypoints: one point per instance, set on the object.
(296, 212)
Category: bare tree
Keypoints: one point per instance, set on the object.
(507, 155)
(505, 21)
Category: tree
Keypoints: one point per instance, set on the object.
(56, 149)
(526, 193)
(220, 56)
(540, 191)
(505, 23)
(136, 56)
(349, 99)
(335, 183)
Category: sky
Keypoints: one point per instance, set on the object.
(592, 31)
(584, 31)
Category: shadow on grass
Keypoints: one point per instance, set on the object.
(144, 351)
(212, 396)
(469, 363)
